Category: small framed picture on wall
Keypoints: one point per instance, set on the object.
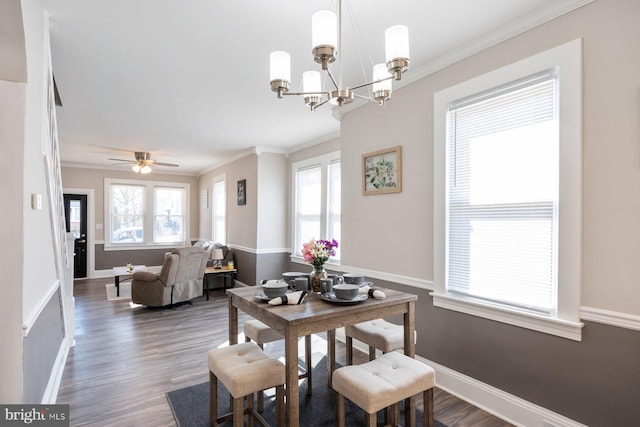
(382, 171)
(242, 192)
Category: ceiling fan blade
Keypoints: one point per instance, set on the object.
(165, 164)
(123, 160)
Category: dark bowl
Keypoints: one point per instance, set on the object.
(346, 291)
(290, 275)
(353, 278)
(275, 289)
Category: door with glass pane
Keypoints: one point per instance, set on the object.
(75, 212)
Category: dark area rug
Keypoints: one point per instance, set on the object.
(190, 405)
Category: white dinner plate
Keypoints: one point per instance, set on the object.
(332, 298)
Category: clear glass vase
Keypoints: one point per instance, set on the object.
(314, 278)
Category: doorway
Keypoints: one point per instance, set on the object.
(75, 213)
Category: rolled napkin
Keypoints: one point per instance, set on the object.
(290, 299)
(373, 293)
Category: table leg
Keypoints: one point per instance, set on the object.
(410, 350)
(292, 392)
(233, 323)
(331, 354)
(117, 285)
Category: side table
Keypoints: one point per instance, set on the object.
(225, 272)
(122, 271)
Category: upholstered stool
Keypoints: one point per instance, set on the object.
(244, 369)
(383, 382)
(255, 330)
(379, 333)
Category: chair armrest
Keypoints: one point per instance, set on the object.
(146, 276)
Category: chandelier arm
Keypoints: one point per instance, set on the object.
(332, 79)
(307, 93)
(320, 104)
(367, 98)
(371, 83)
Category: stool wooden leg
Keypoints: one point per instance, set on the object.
(280, 414)
(427, 397)
(393, 415)
(250, 400)
(213, 400)
(238, 412)
(340, 410)
(349, 345)
(372, 420)
(410, 411)
(307, 359)
(372, 353)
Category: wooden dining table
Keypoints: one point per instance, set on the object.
(315, 315)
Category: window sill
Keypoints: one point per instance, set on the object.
(108, 248)
(536, 322)
(299, 260)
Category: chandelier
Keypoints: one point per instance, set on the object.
(326, 40)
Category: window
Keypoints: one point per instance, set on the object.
(316, 195)
(219, 210)
(508, 155)
(143, 213)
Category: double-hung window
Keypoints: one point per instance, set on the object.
(508, 195)
(316, 201)
(143, 213)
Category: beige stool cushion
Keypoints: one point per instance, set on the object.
(260, 333)
(378, 333)
(245, 368)
(384, 381)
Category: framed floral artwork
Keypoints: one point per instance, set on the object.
(382, 171)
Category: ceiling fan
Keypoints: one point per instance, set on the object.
(143, 162)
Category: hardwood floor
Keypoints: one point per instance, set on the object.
(126, 359)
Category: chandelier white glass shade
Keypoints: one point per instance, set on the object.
(326, 35)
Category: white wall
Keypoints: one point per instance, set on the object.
(38, 243)
(12, 96)
(272, 201)
(611, 156)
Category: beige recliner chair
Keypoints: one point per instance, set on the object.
(179, 280)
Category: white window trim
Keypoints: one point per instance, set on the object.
(323, 161)
(566, 323)
(214, 181)
(148, 207)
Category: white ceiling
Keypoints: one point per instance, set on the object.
(188, 80)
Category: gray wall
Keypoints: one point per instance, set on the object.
(41, 347)
(106, 260)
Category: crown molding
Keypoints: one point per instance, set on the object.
(541, 16)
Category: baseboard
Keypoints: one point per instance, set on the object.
(608, 317)
(99, 274)
(503, 405)
(50, 394)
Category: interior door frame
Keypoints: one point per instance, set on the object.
(91, 226)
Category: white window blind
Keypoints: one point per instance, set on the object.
(316, 201)
(502, 194)
(219, 209)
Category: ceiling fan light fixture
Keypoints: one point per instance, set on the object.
(136, 168)
(145, 169)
